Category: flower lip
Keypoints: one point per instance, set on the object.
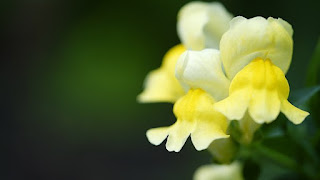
(262, 89)
(195, 117)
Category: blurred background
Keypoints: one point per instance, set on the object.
(71, 71)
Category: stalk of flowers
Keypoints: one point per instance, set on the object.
(193, 108)
(255, 54)
(244, 81)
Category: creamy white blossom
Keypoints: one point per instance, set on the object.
(201, 24)
(219, 172)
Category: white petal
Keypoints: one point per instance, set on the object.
(285, 24)
(217, 25)
(197, 19)
(248, 39)
(203, 69)
(219, 172)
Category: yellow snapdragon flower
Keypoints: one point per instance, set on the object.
(246, 82)
(194, 111)
(256, 54)
(196, 20)
(161, 84)
(195, 116)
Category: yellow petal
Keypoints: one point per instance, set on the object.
(211, 124)
(202, 24)
(265, 103)
(294, 114)
(265, 87)
(264, 106)
(234, 106)
(257, 37)
(171, 57)
(157, 135)
(203, 69)
(219, 172)
(161, 84)
(195, 116)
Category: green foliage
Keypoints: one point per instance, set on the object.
(300, 97)
(314, 66)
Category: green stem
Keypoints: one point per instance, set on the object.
(276, 157)
(283, 160)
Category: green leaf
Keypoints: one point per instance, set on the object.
(274, 129)
(299, 134)
(270, 170)
(276, 156)
(234, 131)
(302, 96)
(314, 66)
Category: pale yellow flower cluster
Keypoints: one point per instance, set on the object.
(225, 69)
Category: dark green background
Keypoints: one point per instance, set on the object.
(71, 71)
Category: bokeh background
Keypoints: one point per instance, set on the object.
(71, 71)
